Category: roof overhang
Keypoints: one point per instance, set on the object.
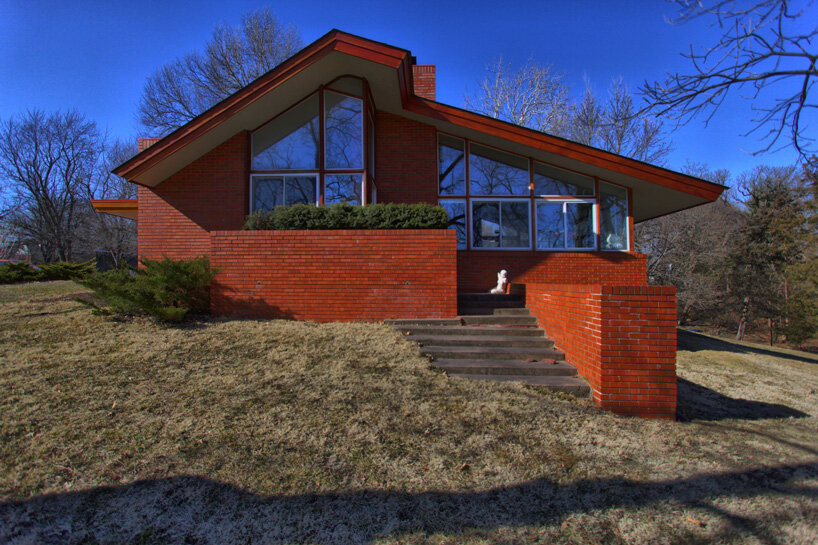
(656, 191)
(123, 208)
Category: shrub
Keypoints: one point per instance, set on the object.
(347, 216)
(167, 290)
(12, 273)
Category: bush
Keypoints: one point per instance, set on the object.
(347, 216)
(167, 290)
(12, 273)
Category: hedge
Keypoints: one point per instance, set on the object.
(13, 273)
(346, 216)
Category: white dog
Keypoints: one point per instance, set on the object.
(502, 281)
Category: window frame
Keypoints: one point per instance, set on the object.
(288, 174)
(368, 179)
(470, 212)
(563, 201)
(533, 199)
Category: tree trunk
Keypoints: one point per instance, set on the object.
(742, 324)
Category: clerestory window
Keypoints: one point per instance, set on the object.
(499, 200)
(319, 151)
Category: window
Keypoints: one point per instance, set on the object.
(565, 225)
(550, 180)
(457, 219)
(494, 172)
(271, 191)
(344, 131)
(451, 164)
(613, 217)
(490, 196)
(291, 141)
(294, 162)
(500, 224)
(342, 188)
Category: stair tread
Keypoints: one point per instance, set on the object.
(506, 367)
(478, 338)
(477, 330)
(523, 350)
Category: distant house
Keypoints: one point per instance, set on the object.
(351, 120)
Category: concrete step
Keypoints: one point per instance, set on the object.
(476, 330)
(491, 353)
(512, 312)
(491, 304)
(424, 322)
(489, 297)
(497, 319)
(569, 385)
(507, 367)
(473, 341)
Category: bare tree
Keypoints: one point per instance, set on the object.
(103, 232)
(764, 45)
(617, 126)
(45, 161)
(532, 96)
(234, 57)
(689, 250)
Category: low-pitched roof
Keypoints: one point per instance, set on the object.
(657, 190)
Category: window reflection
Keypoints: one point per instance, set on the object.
(344, 131)
(500, 224)
(494, 172)
(342, 188)
(457, 220)
(451, 166)
(290, 142)
(272, 191)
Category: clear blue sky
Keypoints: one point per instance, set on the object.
(95, 55)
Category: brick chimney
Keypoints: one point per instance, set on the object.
(145, 143)
(424, 78)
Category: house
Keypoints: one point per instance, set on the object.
(351, 120)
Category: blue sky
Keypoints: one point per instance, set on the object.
(95, 55)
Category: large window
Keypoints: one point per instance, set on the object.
(499, 200)
(295, 161)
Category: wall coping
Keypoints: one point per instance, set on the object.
(605, 289)
(334, 232)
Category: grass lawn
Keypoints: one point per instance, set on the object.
(289, 432)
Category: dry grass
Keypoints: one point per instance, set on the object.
(286, 432)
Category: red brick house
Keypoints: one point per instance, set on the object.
(352, 120)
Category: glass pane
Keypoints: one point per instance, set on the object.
(289, 142)
(457, 220)
(550, 225)
(613, 217)
(514, 224)
(342, 188)
(344, 131)
(494, 172)
(451, 165)
(485, 224)
(550, 180)
(580, 225)
(300, 190)
(267, 193)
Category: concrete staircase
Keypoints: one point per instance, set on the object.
(494, 338)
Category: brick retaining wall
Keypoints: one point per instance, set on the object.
(621, 338)
(335, 275)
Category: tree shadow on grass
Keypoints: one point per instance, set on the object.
(191, 509)
(693, 342)
(695, 402)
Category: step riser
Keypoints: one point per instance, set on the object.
(442, 352)
(478, 342)
(508, 371)
(499, 320)
(490, 297)
(400, 324)
(488, 304)
(476, 331)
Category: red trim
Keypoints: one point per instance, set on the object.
(401, 60)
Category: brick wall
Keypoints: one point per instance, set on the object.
(210, 193)
(405, 160)
(335, 275)
(477, 269)
(621, 338)
(423, 76)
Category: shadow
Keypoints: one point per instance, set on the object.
(233, 303)
(695, 402)
(693, 342)
(191, 509)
